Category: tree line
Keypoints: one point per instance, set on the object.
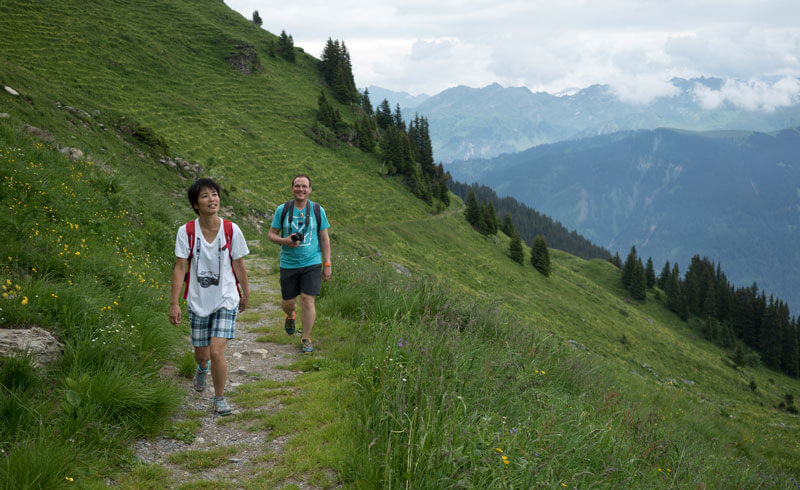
(405, 148)
(483, 219)
(753, 327)
(529, 223)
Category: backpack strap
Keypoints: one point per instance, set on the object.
(317, 215)
(227, 227)
(288, 208)
(190, 235)
(228, 230)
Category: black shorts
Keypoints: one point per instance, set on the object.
(306, 280)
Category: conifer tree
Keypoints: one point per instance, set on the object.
(257, 19)
(770, 338)
(473, 211)
(383, 115)
(397, 118)
(650, 273)
(347, 72)
(675, 300)
(285, 47)
(326, 114)
(515, 249)
(540, 255)
(366, 104)
(507, 226)
(792, 338)
(663, 279)
(442, 177)
(616, 261)
(366, 139)
(638, 281)
(710, 302)
(489, 218)
(629, 267)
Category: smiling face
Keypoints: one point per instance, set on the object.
(207, 201)
(301, 188)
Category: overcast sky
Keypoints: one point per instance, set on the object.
(635, 46)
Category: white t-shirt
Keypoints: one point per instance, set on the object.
(211, 282)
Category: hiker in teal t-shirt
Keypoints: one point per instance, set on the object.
(301, 228)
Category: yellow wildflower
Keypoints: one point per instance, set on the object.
(498, 450)
(24, 300)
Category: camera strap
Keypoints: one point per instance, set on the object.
(227, 229)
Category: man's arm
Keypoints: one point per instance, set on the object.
(178, 275)
(241, 275)
(274, 236)
(325, 245)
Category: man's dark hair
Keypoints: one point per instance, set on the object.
(301, 175)
(194, 191)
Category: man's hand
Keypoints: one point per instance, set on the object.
(175, 314)
(326, 272)
(243, 303)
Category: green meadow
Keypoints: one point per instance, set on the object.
(475, 372)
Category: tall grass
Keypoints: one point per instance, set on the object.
(451, 393)
(87, 266)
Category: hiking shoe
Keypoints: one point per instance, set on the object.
(200, 377)
(288, 325)
(221, 407)
(306, 346)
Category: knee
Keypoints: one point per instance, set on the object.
(217, 355)
(307, 300)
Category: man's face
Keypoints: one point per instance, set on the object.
(207, 201)
(301, 188)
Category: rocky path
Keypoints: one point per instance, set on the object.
(203, 450)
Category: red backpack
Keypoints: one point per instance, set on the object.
(228, 230)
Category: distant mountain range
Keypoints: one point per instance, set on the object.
(733, 196)
(485, 122)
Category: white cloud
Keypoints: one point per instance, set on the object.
(636, 46)
(750, 95)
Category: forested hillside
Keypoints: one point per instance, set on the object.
(529, 222)
(729, 196)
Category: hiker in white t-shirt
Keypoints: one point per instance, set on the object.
(209, 255)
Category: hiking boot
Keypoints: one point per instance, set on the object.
(200, 377)
(288, 325)
(221, 407)
(306, 346)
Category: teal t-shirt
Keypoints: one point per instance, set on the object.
(308, 253)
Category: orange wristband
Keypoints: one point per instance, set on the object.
(327, 264)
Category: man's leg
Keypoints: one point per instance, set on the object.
(288, 306)
(219, 367)
(309, 314)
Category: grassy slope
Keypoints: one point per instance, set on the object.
(247, 131)
(585, 301)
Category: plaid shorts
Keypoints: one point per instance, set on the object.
(221, 323)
